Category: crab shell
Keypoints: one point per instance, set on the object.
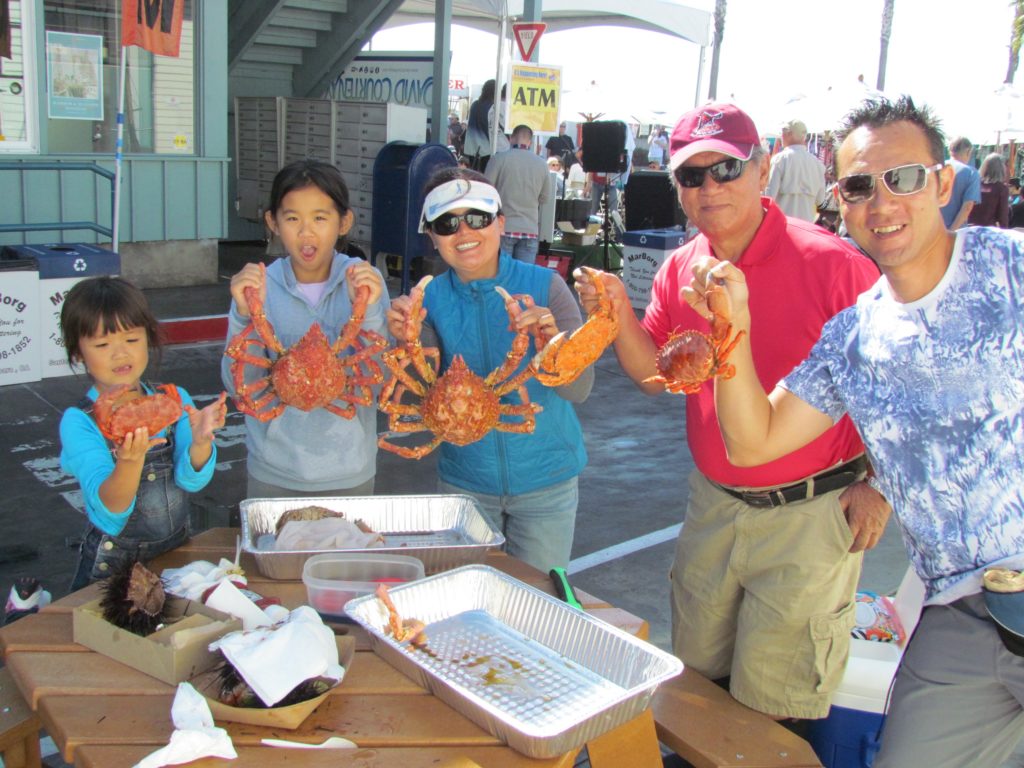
(123, 409)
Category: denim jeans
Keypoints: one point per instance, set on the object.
(521, 248)
(538, 526)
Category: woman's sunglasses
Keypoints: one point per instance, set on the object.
(722, 172)
(901, 180)
(448, 223)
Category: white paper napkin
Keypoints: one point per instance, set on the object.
(194, 579)
(273, 660)
(195, 735)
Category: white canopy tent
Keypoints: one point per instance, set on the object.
(691, 24)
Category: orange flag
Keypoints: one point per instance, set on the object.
(153, 24)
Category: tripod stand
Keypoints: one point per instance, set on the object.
(606, 221)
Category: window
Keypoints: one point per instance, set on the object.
(159, 101)
(18, 126)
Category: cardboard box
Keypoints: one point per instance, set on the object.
(173, 654)
(19, 322)
(290, 717)
(573, 236)
(643, 253)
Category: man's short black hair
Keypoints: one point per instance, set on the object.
(877, 113)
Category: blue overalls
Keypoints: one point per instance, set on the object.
(159, 522)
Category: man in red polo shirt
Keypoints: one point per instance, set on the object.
(768, 558)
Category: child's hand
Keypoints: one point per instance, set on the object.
(363, 274)
(254, 275)
(135, 445)
(209, 419)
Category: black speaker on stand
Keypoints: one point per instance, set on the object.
(651, 202)
(604, 151)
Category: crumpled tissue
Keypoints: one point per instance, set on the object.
(194, 579)
(328, 533)
(273, 660)
(195, 735)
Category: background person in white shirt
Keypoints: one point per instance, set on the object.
(797, 178)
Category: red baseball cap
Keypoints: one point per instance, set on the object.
(721, 128)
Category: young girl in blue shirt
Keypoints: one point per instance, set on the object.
(136, 487)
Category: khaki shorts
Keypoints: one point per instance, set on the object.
(765, 596)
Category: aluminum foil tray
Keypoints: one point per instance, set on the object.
(442, 531)
(543, 677)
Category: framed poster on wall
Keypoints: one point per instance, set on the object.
(74, 75)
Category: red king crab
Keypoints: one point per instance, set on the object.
(123, 409)
(458, 407)
(689, 358)
(565, 357)
(310, 374)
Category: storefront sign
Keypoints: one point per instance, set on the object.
(536, 91)
(396, 77)
(75, 84)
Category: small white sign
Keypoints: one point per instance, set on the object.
(19, 327)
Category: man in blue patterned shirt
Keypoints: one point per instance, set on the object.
(929, 364)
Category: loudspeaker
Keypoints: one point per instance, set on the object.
(651, 202)
(604, 147)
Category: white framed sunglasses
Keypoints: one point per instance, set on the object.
(901, 180)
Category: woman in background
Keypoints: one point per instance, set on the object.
(994, 208)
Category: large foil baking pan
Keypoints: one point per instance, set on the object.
(542, 676)
(442, 531)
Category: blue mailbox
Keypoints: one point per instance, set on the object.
(400, 172)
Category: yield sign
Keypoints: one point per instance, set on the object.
(527, 36)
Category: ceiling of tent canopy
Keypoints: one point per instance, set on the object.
(656, 15)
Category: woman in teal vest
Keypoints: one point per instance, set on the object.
(526, 484)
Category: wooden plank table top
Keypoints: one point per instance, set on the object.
(103, 713)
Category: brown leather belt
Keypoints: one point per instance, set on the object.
(829, 480)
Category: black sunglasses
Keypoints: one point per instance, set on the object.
(722, 172)
(901, 180)
(448, 223)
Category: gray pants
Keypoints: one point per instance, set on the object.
(958, 696)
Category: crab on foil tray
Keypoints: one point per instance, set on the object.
(542, 676)
(442, 531)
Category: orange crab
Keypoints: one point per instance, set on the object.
(689, 358)
(565, 357)
(401, 629)
(310, 374)
(122, 409)
(458, 407)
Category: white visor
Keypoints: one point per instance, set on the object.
(459, 193)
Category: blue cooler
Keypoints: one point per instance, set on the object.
(643, 253)
(848, 737)
(60, 266)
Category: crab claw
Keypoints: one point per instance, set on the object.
(547, 354)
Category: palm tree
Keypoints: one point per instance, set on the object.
(1016, 33)
(719, 34)
(883, 55)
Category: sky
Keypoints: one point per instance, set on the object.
(949, 54)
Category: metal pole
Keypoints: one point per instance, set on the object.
(497, 81)
(700, 76)
(118, 147)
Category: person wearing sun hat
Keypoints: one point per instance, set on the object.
(768, 558)
(526, 484)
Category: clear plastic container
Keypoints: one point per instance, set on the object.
(332, 579)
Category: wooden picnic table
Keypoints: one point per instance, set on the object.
(103, 714)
